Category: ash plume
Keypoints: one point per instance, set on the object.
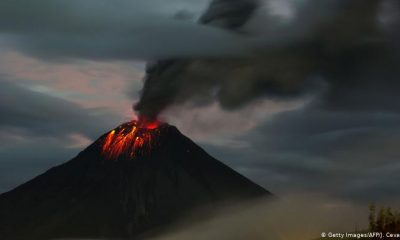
(335, 46)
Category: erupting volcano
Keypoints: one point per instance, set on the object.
(134, 138)
(135, 179)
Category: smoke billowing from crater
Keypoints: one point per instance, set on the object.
(335, 46)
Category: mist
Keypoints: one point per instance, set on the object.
(292, 217)
(299, 217)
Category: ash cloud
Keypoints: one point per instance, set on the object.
(333, 48)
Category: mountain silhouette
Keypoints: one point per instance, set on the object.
(96, 195)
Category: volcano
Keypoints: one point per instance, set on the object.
(133, 179)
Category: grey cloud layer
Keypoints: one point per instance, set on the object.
(35, 131)
(40, 114)
(344, 154)
(110, 29)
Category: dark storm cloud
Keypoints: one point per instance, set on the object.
(229, 14)
(335, 46)
(110, 29)
(39, 114)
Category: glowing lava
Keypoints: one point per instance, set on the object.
(131, 139)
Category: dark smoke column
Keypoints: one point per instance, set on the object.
(161, 86)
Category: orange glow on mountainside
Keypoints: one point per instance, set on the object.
(132, 139)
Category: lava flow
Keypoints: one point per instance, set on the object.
(131, 139)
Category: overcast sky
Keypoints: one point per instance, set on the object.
(71, 70)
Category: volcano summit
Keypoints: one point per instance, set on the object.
(132, 180)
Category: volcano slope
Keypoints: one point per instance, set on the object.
(100, 195)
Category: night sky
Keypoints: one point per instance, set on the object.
(72, 70)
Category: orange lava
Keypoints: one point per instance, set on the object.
(131, 139)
